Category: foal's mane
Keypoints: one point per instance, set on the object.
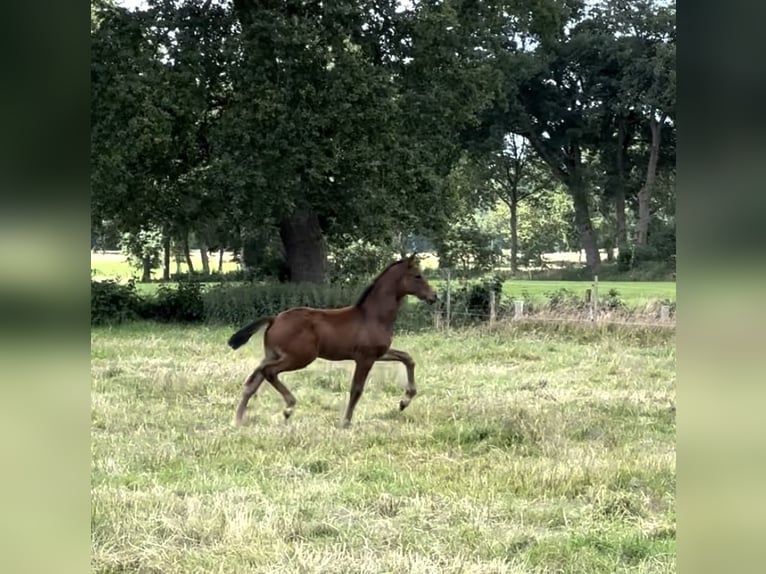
(366, 293)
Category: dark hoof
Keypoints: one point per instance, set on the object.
(288, 413)
(402, 405)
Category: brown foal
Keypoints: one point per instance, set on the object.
(362, 333)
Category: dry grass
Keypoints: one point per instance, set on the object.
(525, 451)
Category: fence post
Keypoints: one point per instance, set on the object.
(518, 310)
(449, 303)
(594, 305)
(664, 312)
(492, 309)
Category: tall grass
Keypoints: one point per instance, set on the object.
(526, 450)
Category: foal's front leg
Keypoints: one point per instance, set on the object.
(357, 388)
(406, 359)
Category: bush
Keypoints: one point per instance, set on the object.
(613, 301)
(233, 305)
(358, 262)
(183, 304)
(111, 302)
(564, 300)
(661, 247)
(471, 303)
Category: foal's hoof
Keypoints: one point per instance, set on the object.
(345, 424)
(403, 405)
(288, 412)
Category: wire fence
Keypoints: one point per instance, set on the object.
(469, 302)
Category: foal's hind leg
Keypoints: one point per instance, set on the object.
(285, 364)
(249, 388)
(251, 385)
(406, 359)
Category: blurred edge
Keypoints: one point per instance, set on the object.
(44, 228)
(721, 502)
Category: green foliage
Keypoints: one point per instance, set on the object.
(469, 245)
(358, 261)
(214, 119)
(564, 300)
(546, 224)
(661, 247)
(106, 236)
(113, 303)
(236, 305)
(613, 301)
(262, 256)
(143, 248)
(471, 303)
(183, 304)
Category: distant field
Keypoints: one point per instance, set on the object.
(113, 265)
(632, 292)
(524, 452)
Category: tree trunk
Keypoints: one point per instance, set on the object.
(220, 260)
(205, 259)
(146, 275)
(166, 257)
(187, 253)
(514, 207)
(583, 223)
(621, 230)
(304, 247)
(645, 194)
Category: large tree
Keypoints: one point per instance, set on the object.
(577, 85)
(346, 119)
(157, 81)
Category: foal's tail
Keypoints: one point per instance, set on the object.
(243, 335)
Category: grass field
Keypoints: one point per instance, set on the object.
(633, 293)
(110, 265)
(525, 451)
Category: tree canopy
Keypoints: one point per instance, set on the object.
(311, 125)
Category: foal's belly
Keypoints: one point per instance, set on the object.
(341, 336)
(336, 346)
(347, 352)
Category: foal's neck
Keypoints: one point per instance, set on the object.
(383, 303)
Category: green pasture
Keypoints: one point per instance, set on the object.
(113, 265)
(525, 451)
(633, 293)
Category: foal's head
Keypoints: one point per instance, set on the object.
(411, 282)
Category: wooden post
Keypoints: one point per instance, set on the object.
(518, 310)
(492, 309)
(594, 313)
(449, 303)
(664, 312)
